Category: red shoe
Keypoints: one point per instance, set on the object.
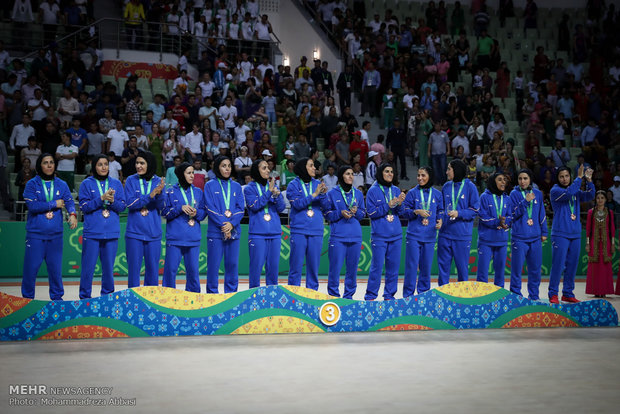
(570, 300)
(554, 299)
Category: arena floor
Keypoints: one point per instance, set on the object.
(481, 371)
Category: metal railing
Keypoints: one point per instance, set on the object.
(116, 34)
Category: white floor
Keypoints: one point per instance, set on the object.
(478, 371)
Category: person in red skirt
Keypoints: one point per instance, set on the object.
(600, 231)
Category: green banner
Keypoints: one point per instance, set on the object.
(12, 245)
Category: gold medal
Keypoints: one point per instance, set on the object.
(105, 213)
(144, 212)
(267, 217)
(390, 217)
(49, 215)
(573, 217)
(228, 213)
(310, 213)
(530, 222)
(191, 222)
(425, 222)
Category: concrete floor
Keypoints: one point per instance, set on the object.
(494, 371)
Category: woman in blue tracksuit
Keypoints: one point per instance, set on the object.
(306, 195)
(461, 204)
(224, 202)
(45, 196)
(344, 208)
(101, 200)
(529, 231)
(184, 210)
(265, 203)
(145, 201)
(423, 207)
(495, 221)
(384, 206)
(566, 230)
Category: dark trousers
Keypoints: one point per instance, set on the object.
(369, 102)
(345, 99)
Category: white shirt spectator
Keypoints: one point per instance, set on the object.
(228, 114)
(207, 88)
(193, 142)
(39, 113)
(22, 11)
(263, 68)
(50, 13)
(371, 173)
(117, 141)
(358, 179)
(461, 141)
(493, 127)
(364, 135)
(331, 181)
(211, 113)
(167, 124)
(476, 133)
(247, 30)
(262, 31)
(408, 100)
(20, 135)
(240, 134)
(180, 81)
(71, 107)
(245, 69)
(65, 164)
(114, 169)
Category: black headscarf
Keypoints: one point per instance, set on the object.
(460, 170)
(529, 174)
(255, 172)
(151, 164)
(301, 170)
(39, 170)
(492, 185)
(379, 176)
(216, 167)
(430, 173)
(180, 173)
(93, 167)
(557, 176)
(346, 187)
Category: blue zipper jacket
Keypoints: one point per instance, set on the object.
(178, 231)
(299, 221)
(344, 230)
(259, 228)
(561, 198)
(415, 229)
(145, 228)
(95, 225)
(377, 208)
(214, 203)
(488, 233)
(38, 226)
(467, 205)
(521, 231)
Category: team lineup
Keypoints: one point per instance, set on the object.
(441, 220)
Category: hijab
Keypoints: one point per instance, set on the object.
(93, 167)
(180, 173)
(529, 174)
(151, 164)
(39, 170)
(301, 170)
(255, 173)
(492, 185)
(431, 177)
(216, 167)
(460, 170)
(341, 170)
(557, 176)
(379, 176)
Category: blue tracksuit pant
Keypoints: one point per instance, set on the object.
(264, 253)
(388, 253)
(191, 257)
(38, 250)
(418, 254)
(216, 249)
(531, 252)
(150, 251)
(498, 255)
(343, 252)
(308, 247)
(564, 260)
(448, 249)
(92, 249)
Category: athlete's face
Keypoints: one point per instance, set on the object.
(189, 175)
(388, 174)
(422, 177)
(102, 167)
(348, 177)
(524, 180)
(500, 182)
(263, 168)
(450, 173)
(564, 178)
(47, 165)
(225, 168)
(141, 165)
(311, 168)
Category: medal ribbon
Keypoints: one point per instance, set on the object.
(344, 197)
(148, 188)
(225, 195)
(386, 196)
(571, 205)
(185, 196)
(498, 210)
(306, 192)
(260, 193)
(426, 205)
(104, 190)
(530, 206)
(455, 201)
(49, 196)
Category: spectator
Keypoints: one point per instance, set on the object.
(96, 141)
(370, 83)
(438, 148)
(19, 139)
(560, 155)
(396, 142)
(66, 153)
(128, 157)
(117, 139)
